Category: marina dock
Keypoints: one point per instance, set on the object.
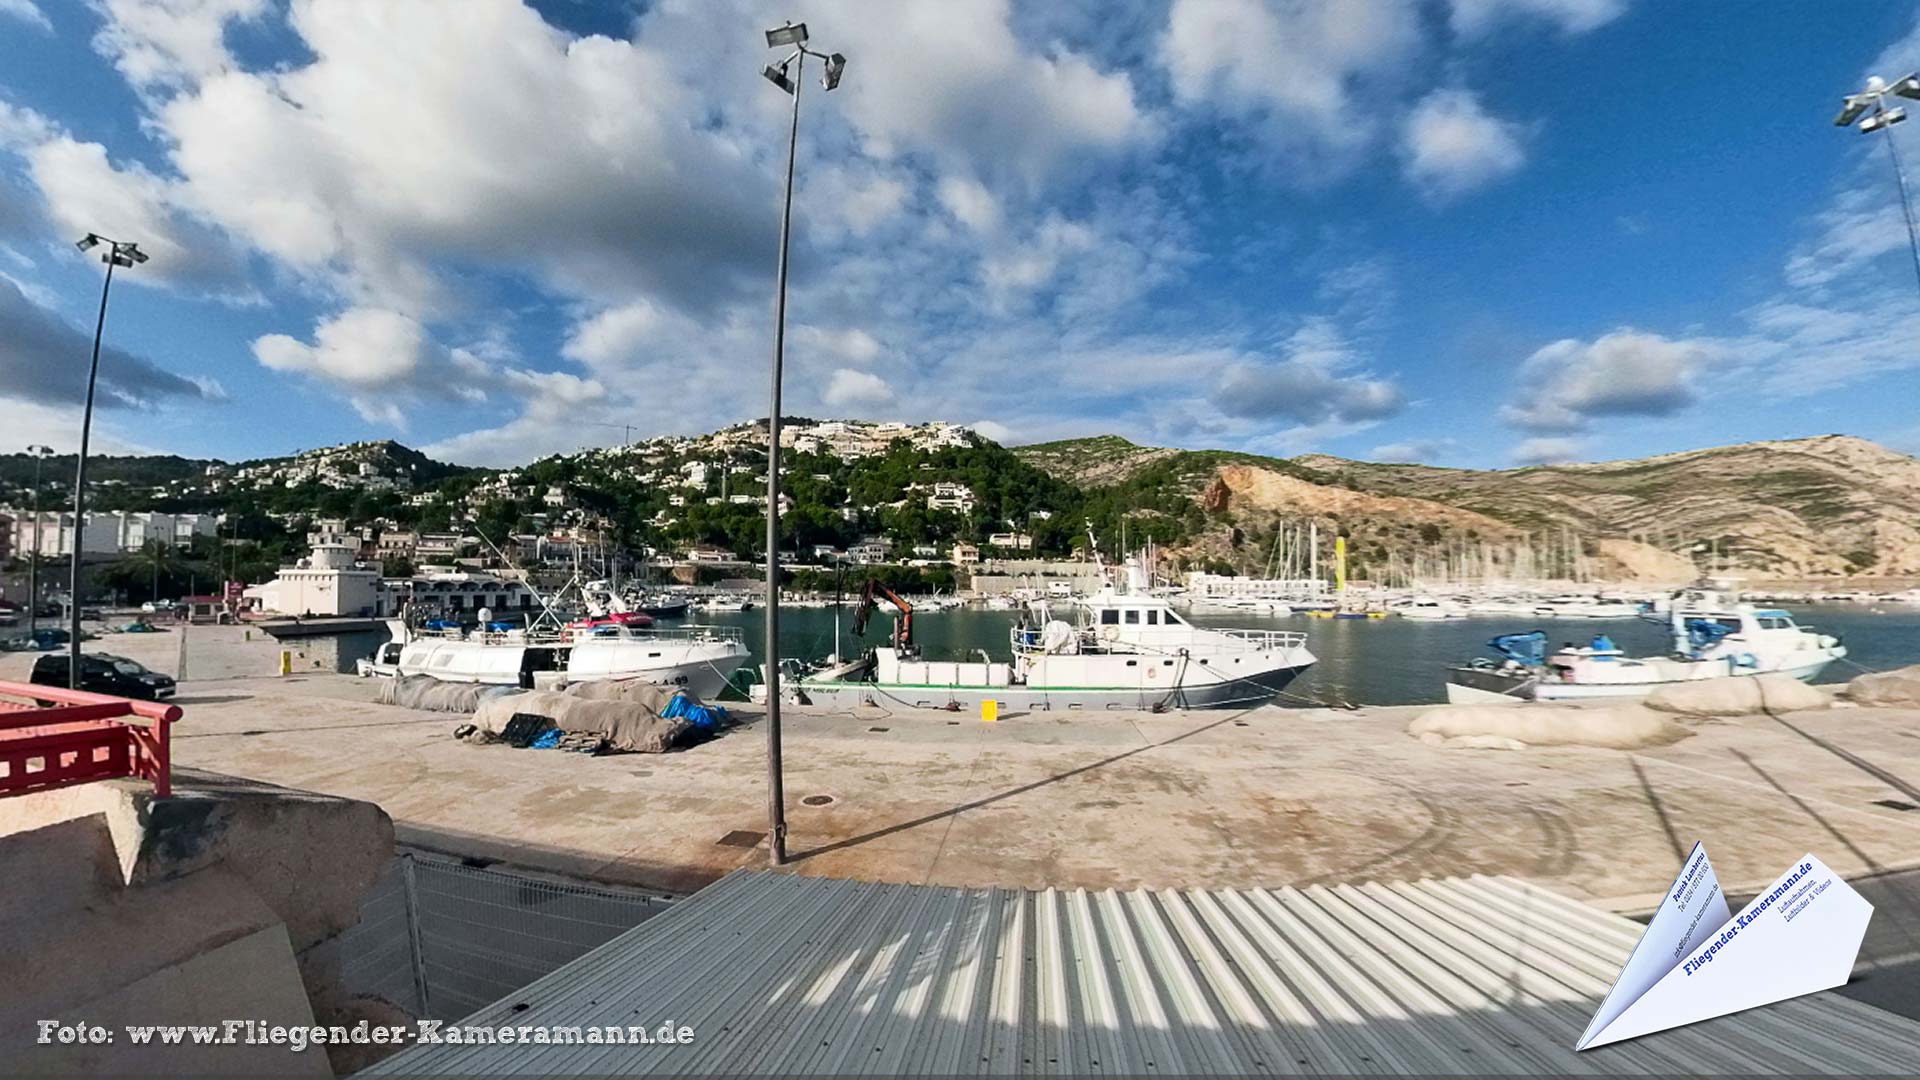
(1206, 799)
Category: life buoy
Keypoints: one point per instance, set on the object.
(1110, 633)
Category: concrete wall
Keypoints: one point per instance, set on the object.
(223, 902)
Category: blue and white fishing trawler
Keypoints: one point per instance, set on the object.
(1714, 635)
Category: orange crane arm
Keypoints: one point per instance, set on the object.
(870, 598)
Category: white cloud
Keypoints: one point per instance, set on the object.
(1473, 17)
(1316, 381)
(855, 388)
(850, 344)
(1548, 451)
(1798, 348)
(1027, 264)
(1414, 451)
(968, 204)
(163, 43)
(1450, 145)
(58, 426)
(953, 82)
(382, 361)
(82, 191)
(971, 202)
(1293, 68)
(365, 347)
(1861, 225)
(26, 11)
(992, 429)
(1624, 373)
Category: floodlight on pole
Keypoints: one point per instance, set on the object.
(795, 35)
(790, 34)
(118, 253)
(1871, 102)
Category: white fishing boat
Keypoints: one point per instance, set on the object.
(1714, 635)
(1121, 648)
(725, 602)
(700, 658)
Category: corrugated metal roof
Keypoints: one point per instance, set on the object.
(794, 975)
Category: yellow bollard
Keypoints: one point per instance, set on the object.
(989, 710)
(286, 662)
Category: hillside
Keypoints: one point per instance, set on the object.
(1832, 505)
(1827, 505)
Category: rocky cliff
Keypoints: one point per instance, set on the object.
(1827, 506)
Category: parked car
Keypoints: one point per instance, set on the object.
(101, 673)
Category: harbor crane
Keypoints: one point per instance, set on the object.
(870, 598)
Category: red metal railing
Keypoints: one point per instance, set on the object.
(79, 737)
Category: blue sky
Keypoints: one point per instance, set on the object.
(1467, 232)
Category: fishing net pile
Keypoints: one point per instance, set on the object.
(1740, 695)
(431, 694)
(629, 715)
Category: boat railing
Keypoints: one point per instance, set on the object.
(1266, 640)
(659, 633)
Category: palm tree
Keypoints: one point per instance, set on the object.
(147, 567)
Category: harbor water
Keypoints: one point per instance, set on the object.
(1389, 661)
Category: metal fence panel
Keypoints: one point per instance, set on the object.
(442, 939)
(376, 958)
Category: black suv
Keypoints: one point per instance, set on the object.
(104, 674)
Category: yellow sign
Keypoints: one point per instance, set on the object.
(990, 710)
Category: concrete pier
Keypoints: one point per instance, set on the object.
(1203, 799)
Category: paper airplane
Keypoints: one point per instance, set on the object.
(1695, 962)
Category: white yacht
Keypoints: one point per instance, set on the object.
(1249, 605)
(1427, 608)
(700, 658)
(1121, 650)
(1714, 635)
(1586, 607)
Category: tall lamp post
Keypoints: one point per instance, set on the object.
(118, 253)
(40, 454)
(794, 35)
(1871, 102)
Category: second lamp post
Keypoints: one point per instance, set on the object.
(787, 76)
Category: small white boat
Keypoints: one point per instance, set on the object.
(1714, 636)
(1427, 608)
(1586, 607)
